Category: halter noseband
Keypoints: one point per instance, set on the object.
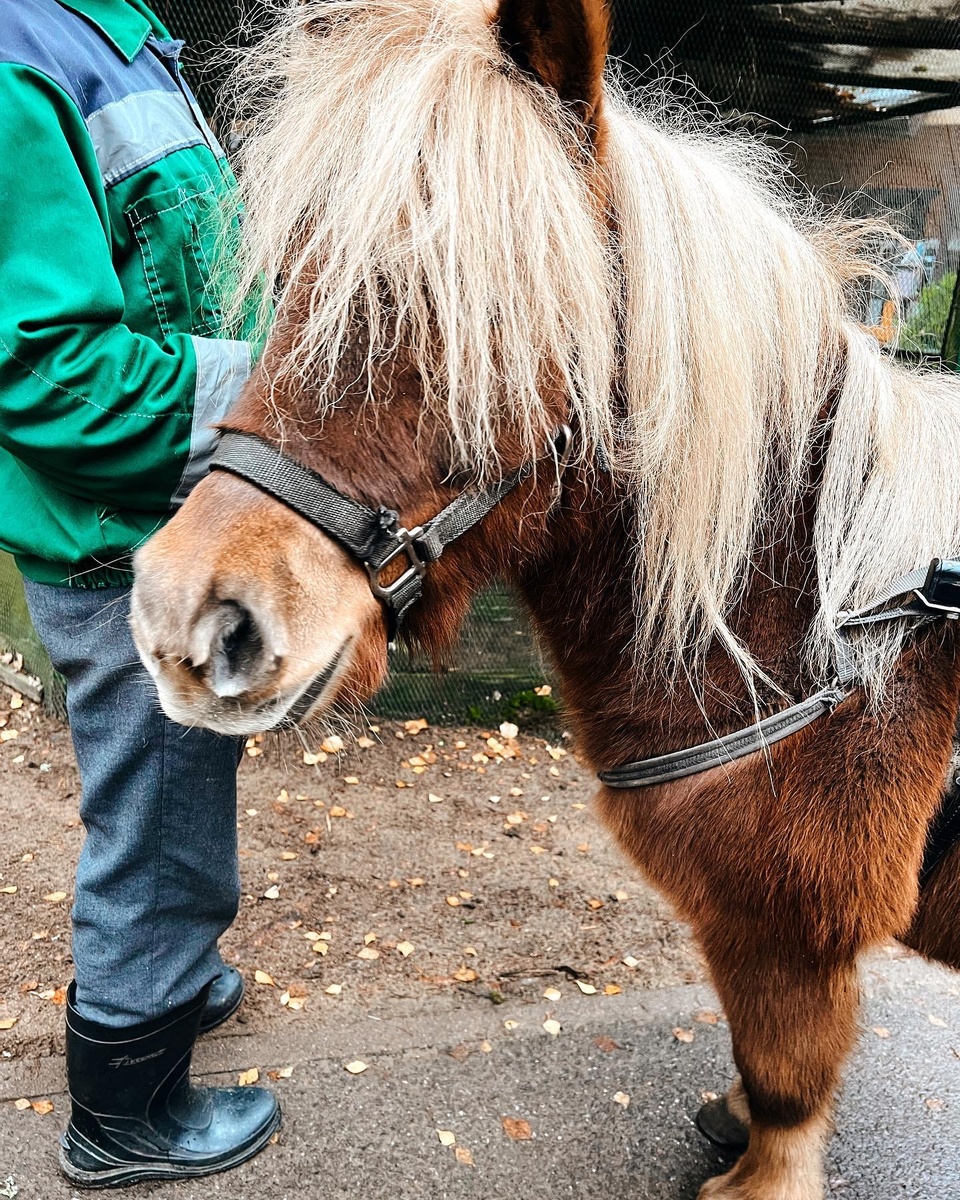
(374, 537)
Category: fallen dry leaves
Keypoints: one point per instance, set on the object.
(463, 1156)
(516, 1128)
(683, 1035)
(357, 1067)
(447, 1137)
(245, 1078)
(622, 1099)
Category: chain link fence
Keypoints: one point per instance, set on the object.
(886, 145)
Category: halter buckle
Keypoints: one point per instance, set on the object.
(406, 544)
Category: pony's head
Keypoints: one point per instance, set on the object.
(422, 185)
(473, 239)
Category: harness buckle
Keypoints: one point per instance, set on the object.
(406, 544)
(941, 589)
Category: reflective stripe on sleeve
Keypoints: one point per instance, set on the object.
(223, 367)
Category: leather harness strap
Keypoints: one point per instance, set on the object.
(935, 591)
(374, 537)
(724, 750)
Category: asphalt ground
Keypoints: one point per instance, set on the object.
(375, 1134)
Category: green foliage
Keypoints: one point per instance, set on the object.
(924, 329)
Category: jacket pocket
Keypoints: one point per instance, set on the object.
(177, 231)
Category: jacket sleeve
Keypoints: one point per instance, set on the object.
(104, 413)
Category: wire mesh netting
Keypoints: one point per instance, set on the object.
(864, 98)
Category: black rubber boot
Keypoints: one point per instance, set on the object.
(137, 1116)
(223, 999)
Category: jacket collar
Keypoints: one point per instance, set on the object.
(126, 24)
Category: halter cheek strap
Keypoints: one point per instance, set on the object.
(374, 537)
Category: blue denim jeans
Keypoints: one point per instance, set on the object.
(157, 881)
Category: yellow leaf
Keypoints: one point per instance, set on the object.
(350, 779)
(21, 1105)
(337, 811)
(465, 975)
(320, 947)
(434, 799)
(365, 743)
(552, 1027)
(332, 744)
(453, 901)
(7, 1022)
(55, 897)
(272, 893)
(516, 1128)
(587, 988)
(508, 730)
(368, 938)
(683, 1035)
(631, 962)
(281, 1073)
(612, 989)
(245, 1078)
(463, 1156)
(264, 977)
(311, 760)
(42, 1107)
(622, 1099)
(368, 953)
(509, 1025)
(7, 735)
(287, 855)
(447, 1137)
(415, 726)
(356, 1067)
(552, 994)
(334, 989)
(9, 890)
(405, 948)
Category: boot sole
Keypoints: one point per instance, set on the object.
(123, 1176)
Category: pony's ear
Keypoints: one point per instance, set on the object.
(563, 43)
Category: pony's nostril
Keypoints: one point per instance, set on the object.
(238, 653)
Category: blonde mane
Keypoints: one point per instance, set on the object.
(402, 178)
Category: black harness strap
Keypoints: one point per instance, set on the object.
(723, 750)
(375, 537)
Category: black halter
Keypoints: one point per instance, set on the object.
(374, 537)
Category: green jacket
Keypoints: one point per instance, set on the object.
(111, 367)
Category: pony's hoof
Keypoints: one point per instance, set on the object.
(722, 1129)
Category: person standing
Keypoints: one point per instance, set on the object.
(113, 364)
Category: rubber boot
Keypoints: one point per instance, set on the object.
(137, 1116)
(223, 999)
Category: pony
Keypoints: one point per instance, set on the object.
(476, 239)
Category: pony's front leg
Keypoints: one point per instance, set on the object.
(793, 1021)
